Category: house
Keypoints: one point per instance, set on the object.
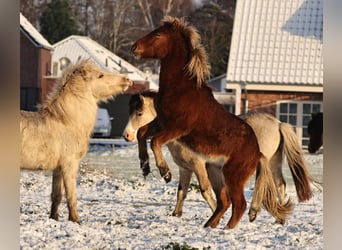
(218, 85)
(275, 63)
(35, 65)
(74, 48)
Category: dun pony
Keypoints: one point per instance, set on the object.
(56, 137)
(226, 142)
(276, 140)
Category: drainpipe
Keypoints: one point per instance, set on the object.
(245, 99)
(238, 101)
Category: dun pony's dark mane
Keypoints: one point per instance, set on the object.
(135, 102)
(198, 65)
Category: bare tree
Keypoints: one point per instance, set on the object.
(32, 10)
(118, 33)
(145, 7)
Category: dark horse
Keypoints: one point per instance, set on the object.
(226, 142)
(315, 130)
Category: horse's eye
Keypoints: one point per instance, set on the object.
(139, 114)
(100, 76)
(158, 34)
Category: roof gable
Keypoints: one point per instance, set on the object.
(277, 41)
(33, 33)
(77, 47)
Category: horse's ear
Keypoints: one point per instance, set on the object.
(141, 97)
(174, 25)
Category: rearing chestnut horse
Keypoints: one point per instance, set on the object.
(188, 112)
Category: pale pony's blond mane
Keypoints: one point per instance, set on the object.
(198, 65)
(72, 82)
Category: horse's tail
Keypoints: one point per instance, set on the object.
(295, 159)
(266, 192)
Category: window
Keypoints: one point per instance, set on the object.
(298, 114)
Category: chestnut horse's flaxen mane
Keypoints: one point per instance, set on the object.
(198, 65)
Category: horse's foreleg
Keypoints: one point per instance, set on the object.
(255, 206)
(143, 155)
(184, 181)
(164, 136)
(223, 202)
(142, 135)
(69, 177)
(56, 194)
(164, 169)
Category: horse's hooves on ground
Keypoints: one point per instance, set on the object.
(167, 177)
(227, 227)
(145, 166)
(211, 224)
(280, 221)
(252, 218)
(177, 214)
(252, 215)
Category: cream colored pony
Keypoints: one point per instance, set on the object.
(56, 136)
(276, 140)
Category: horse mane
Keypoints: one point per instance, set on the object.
(198, 64)
(72, 82)
(136, 103)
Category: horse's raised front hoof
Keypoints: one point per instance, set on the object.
(145, 167)
(252, 215)
(167, 177)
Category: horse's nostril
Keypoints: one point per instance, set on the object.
(134, 46)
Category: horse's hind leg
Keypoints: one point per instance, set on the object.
(276, 168)
(275, 165)
(239, 204)
(220, 189)
(56, 194)
(69, 178)
(235, 181)
(203, 180)
(184, 181)
(188, 163)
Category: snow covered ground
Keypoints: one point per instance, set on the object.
(121, 210)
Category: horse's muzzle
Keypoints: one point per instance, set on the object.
(135, 51)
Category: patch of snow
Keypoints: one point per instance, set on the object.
(119, 209)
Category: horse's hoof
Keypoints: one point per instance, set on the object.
(145, 167)
(208, 225)
(211, 224)
(167, 177)
(177, 214)
(280, 221)
(76, 220)
(252, 215)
